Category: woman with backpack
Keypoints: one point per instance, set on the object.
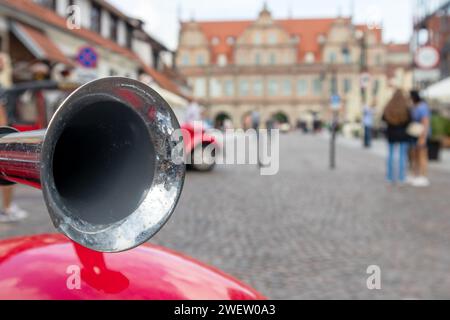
(397, 117)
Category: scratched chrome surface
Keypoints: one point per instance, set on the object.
(157, 204)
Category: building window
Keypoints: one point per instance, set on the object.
(273, 87)
(222, 60)
(243, 88)
(231, 40)
(200, 87)
(95, 18)
(185, 59)
(347, 85)
(321, 39)
(302, 87)
(113, 27)
(287, 88)
(258, 59)
(272, 58)
(258, 88)
(257, 39)
(50, 4)
(378, 60)
(317, 86)
(215, 87)
(129, 36)
(310, 58)
(346, 55)
(229, 88)
(215, 41)
(272, 38)
(200, 60)
(333, 85)
(332, 57)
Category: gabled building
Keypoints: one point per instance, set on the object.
(288, 68)
(85, 39)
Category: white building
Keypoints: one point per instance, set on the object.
(89, 38)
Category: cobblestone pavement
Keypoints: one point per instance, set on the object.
(308, 233)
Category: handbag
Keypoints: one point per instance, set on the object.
(415, 129)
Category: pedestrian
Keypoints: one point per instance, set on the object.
(368, 120)
(397, 117)
(193, 112)
(420, 129)
(9, 212)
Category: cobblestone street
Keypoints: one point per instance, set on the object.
(307, 233)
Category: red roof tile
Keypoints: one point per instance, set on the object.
(163, 81)
(308, 30)
(46, 15)
(223, 30)
(50, 17)
(49, 49)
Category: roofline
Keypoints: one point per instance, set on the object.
(331, 18)
(56, 26)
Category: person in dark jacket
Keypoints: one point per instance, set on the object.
(397, 117)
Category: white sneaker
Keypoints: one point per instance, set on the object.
(16, 213)
(410, 179)
(421, 182)
(6, 218)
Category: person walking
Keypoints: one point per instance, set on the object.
(397, 117)
(368, 119)
(420, 114)
(10, 212)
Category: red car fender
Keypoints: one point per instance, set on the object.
(52, 267)
(194, 135)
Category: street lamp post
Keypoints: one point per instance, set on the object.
(335, 105)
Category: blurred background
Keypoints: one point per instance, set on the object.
(322, 72)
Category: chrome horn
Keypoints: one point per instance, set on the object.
(104, 164)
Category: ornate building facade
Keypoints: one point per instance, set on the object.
(288, 69)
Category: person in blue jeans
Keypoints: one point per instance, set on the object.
(368, 119)
(397, 117)
(420, 113)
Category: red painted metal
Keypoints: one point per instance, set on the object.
(46, 267)
(194, 135)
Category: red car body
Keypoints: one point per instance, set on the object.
(52, 267)
(195, 136)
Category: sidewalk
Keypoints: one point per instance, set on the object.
(379, 148)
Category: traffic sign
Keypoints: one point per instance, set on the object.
(427, 57)
(335, 102)
(87, 57)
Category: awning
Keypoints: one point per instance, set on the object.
(39, 44)
(439, 91)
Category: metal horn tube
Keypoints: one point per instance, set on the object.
(105, 164)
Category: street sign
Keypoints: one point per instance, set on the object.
(335, 102)
(427, 57)
(87, 57)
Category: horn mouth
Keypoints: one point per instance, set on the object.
(107, 173)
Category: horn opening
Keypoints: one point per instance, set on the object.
(103, 162)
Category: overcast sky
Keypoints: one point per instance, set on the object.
(161, 16)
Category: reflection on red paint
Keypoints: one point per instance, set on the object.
(129, 97)
(36, 268)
